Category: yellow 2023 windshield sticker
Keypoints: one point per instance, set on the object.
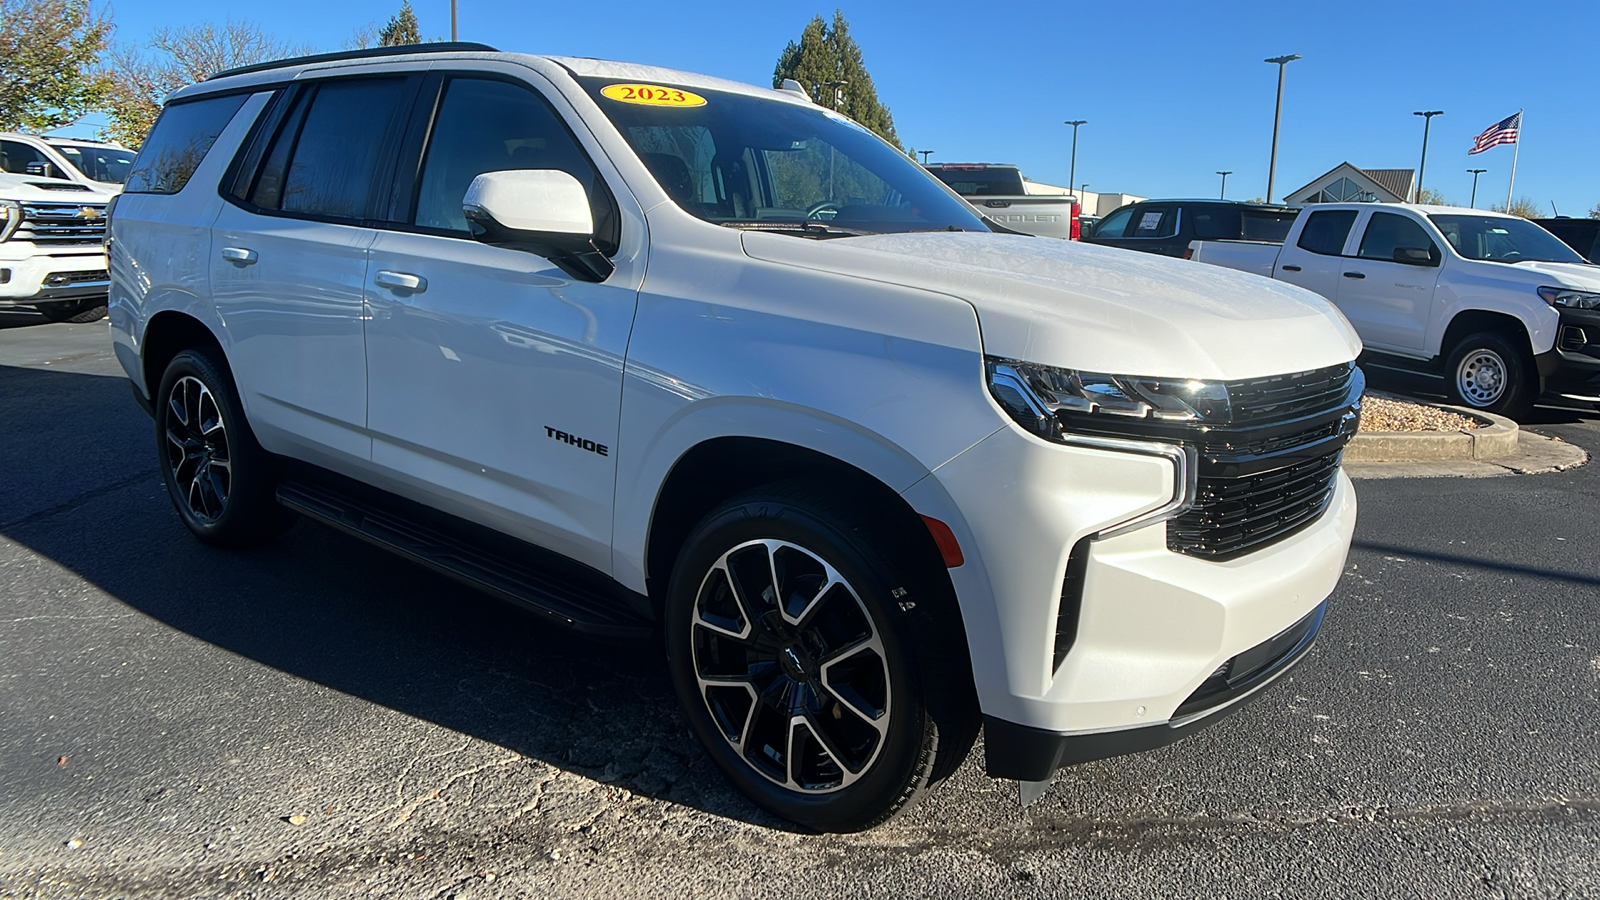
(652, 95)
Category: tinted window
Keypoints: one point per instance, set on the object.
(335, 160)
(1114, 225)
(1154, 222)
(986, 182)
(491, 126)
(1326, 231)
(1270, 225)
(15, 156)
(178, 142)
(1387, 232)
(1215, 223)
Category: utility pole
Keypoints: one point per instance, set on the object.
(1224, 194)
(1427, 119)
(1475, 173)
(452, 20)
(1072, 173)
(925, 155)
(1277, 117)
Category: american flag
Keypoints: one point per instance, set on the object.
(1501, 132)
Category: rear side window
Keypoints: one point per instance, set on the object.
(1387, 232)
(1154, 222)
(1271, 225)
(324, 160)
(1216, 223)
(1326, 231)
(179, 141)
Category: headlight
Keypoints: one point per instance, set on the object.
(10, 217)
(1566, 298)
(1034, 393)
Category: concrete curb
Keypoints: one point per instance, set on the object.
(1496, 439)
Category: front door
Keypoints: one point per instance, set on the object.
(1388, 302)
(495, 378)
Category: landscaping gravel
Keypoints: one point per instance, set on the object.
(1384, 414)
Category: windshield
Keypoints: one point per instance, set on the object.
(748, 162)
(108, 164)
(1502, 239)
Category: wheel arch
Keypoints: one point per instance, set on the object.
(1530, 327)
(1472, 321)
(167, 334)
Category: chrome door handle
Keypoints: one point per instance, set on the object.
(400, 281)
(239, 255)
(1354, 275)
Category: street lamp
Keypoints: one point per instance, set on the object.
(1475, 173)
(452, 20)
(1272, 167)
(1427, 119)
(925, 155)
(1224, 194)
(1072, 173)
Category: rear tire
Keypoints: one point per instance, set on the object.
(77, 312)
(1489, 372)
(796, 664)
(218, 478)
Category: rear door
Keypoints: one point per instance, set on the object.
(1389, 302)
(289, 261)
(1314, 259)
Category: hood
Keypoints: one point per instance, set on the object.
(1581, 276)
(35, 188)
(1099, 309)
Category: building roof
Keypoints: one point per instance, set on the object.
(1395, 181)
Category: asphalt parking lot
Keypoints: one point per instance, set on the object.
(319, 719)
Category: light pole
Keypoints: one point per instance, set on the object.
(1272, 167)
(925, 155)
(1427, 119)
(1475, 173)
(452, 20)
(1072, 173)
(1224, 194)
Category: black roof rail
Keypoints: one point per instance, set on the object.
(370, 52)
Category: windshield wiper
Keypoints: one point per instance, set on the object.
(814, 229)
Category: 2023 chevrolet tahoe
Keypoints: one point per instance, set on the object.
(653, 353)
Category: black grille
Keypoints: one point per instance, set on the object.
(1287, 396)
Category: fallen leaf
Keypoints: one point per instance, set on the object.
(74, 844)
(296, 819)
(61, 761)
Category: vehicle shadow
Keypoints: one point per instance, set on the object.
(20, 318)
(330, 609)
(1549, 411)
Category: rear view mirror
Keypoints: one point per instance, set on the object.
(1414, 256)
(541, 211)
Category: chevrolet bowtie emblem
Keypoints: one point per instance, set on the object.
(88, 212)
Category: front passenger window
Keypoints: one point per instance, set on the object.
(492, 126)
(1387, 232)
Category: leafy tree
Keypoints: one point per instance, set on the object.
(49, 56)
(402, 28)
(143, 77)
(1431, 197)
(1595, 213)
(827, 53)
(1526, 207)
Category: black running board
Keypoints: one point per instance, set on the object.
(588, 608)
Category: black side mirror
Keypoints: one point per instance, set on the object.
(1414, 256)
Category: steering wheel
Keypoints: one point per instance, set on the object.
(1511, 254)
(817, 209)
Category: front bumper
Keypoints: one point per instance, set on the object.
(1572, 366)
(48, 278)
(1152, 625)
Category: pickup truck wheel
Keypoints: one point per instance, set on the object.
(787, 654)
(217, 476)
(1487, 372)
(77, 312)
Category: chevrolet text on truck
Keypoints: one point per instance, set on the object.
(1498, 307)
(653, 353)
(1001, 195)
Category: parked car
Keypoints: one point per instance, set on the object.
(1167, 226)
(1494, 304)
(576, 333)
(1582, 235)
(999, 193)
(96, 164)
(52, 248)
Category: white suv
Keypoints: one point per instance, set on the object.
(656, 353)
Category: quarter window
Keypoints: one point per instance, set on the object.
(1326, 231)
(1154, 222)
(179, 141)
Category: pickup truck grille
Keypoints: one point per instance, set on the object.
(62, 224)
(1270, 472)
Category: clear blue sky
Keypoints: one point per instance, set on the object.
(1172, 91)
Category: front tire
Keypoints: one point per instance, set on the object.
(218, 478)
(1488, 372)
(789, 653)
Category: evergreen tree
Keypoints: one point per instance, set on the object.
(402, 29)
(827, 53)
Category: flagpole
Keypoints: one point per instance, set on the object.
(1512, 184)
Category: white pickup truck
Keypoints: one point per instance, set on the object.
(52, 247)
(999, 193)
(1496, 305)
